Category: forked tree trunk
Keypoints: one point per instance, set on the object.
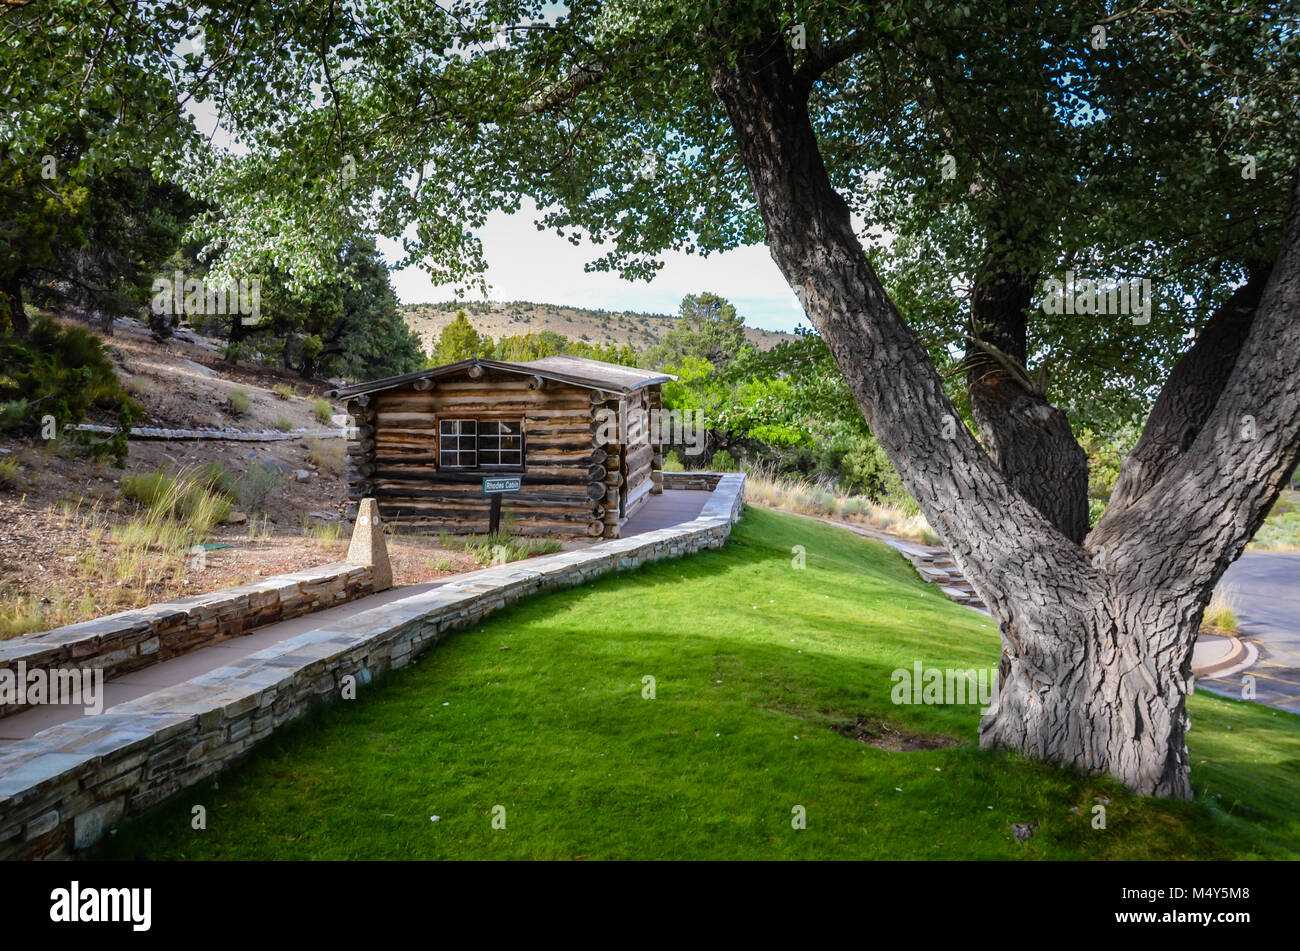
(1097, 638)
(1028, 439)
(1100, 683)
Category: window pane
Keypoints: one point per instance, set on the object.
(457, 443)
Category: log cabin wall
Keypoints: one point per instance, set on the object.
(409, 454)
(638, 461)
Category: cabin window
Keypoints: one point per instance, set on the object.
(480, 443)
(500, 443)
(458, 443)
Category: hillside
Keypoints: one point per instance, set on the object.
(75, 546)
(507, 319)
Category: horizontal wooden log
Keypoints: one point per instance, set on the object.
(497, 402)
(556, 500)
(636, 506)
(397, 458)
(479, 526)
(639, 456)
(637, 495)
(638, 478)
(428, 509)
(536, 475)
(388, 420)
(598, 490)
(562, 443)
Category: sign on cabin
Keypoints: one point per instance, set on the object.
(495, 486)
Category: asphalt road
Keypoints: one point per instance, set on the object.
(1264, 587)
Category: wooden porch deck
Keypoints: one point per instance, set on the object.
(664, 511)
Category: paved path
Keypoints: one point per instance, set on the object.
(1264, 588)
(670, 508)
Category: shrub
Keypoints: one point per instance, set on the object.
(327, 455)
(324, 534)
(284, 424)
(256, 485)
(487, 549)
(283, 390)
(864, 469)
(673, 462)
(240, 402)
(62, 373)
(177, 508)
(322, 410)
(217, 478)
(9, 477)
(1219, 617)
(722, 461)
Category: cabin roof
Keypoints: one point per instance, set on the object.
(577, 371)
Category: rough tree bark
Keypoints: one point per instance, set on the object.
(1028, 438)
(1190, 394)
(1097, 640)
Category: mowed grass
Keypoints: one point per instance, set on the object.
(540, 711)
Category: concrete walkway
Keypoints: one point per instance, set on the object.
(1264, 589)
(673, 507)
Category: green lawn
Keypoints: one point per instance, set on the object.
(540, 710)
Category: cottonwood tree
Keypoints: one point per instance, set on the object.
(647, 125)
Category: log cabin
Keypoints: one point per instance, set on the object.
(582, 435)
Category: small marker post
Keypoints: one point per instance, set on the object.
(495, 486)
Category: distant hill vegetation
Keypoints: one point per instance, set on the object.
(512, 318)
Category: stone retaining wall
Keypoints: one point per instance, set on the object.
(62, 789)
(130, 640)
(700, 481)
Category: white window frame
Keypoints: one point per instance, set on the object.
(454, 427)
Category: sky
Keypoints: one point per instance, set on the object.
(539, 266)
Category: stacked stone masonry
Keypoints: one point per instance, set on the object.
(61, 790)
(131, 640)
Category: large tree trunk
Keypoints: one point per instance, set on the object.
(1096, 641)
(1099, 681)
(1027, 437)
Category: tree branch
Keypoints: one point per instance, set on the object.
(1212, 498)
(1189, 395)
(827, 57)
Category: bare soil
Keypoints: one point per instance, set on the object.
(55, 568)
(884, 735)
